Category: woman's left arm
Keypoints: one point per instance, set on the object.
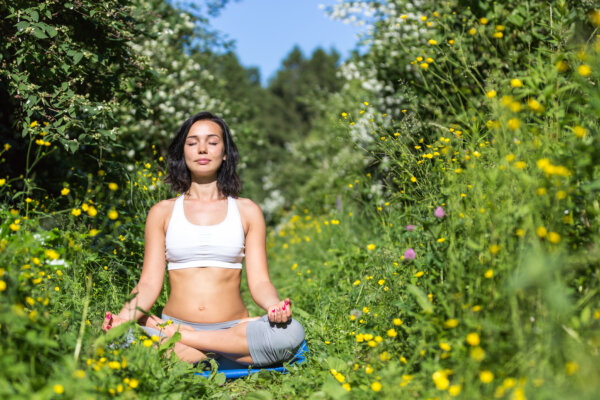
(257, 271)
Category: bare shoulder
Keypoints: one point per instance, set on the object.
(161, 210)
(249, 210)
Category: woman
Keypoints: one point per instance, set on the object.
(203, 235)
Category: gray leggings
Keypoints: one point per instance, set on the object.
(268, 343)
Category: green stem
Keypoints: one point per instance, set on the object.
(83, 318)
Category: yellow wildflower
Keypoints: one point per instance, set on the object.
(554, 237)
(516, 83)
(584, 70)
(486, 376)
(376, 386)
(571, 367)
(535, 105)
(541, 231)
(514, 124)
(441, 380)
(454, 390)
(451, 323)
(473, 339)
(579, 131)
(477, 353)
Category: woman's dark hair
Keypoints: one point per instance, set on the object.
(178, 175)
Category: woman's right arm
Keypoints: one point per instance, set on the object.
(150, 283)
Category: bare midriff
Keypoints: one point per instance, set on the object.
(205, 295)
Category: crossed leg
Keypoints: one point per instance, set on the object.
(230, 343)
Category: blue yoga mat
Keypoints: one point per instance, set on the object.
(298, 358)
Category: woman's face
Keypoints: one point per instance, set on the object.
(204, 150)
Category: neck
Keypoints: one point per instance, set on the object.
(206, 191)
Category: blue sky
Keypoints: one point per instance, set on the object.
(266, 30)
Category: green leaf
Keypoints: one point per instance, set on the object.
(336, 363)
(113, 334)
(51, 31)
(167, 344)
(515, 19)
(22, 25)
(334, 389)
(35, 16)
(586, 315)
(77, 57)
(591, 187)
(259, 395)
(220, 378)
(40, 34)
(421, 299)
(73, 146)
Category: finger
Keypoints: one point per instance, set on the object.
(106, 325)
(285, 311)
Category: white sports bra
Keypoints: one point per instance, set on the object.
(189, 245)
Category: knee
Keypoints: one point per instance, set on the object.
(295, 334)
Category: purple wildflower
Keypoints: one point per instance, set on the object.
(410, 254)
(439, 212)
(410, 228)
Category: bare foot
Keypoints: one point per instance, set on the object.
(164, 326)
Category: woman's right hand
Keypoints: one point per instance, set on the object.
(111, 320)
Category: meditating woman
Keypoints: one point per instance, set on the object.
(203, 235)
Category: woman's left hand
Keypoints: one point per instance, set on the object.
(280, 312)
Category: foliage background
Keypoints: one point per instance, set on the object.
(433, 203)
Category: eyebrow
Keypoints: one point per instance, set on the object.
(196, 136)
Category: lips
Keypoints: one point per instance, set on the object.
(203, 161)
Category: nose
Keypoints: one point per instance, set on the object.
(202, 147)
